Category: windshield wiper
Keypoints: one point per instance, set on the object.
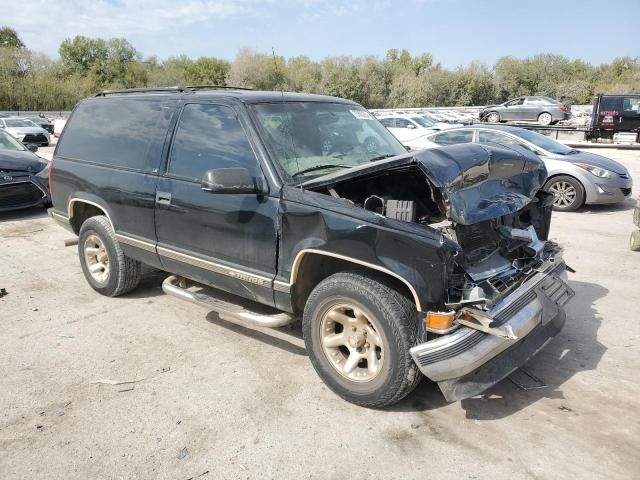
(324, 166)
(381, 157)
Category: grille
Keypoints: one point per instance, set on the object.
(626, 191)
(16, 194)
(39, 138)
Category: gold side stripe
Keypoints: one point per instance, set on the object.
(134, 242)
(60, 218)
(215, 267)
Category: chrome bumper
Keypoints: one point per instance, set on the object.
(532, 306)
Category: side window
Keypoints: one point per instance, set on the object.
(453, 137)
(517, 101)
(208, 137)
(631, 104)
(487, 136)
(117, 131)
(403, 123)
(609, 104)
(387, 122)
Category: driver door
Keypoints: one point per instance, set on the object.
(513, 110)
(226, 240)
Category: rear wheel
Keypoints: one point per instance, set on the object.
(545, 118)
(107, 269)
(567, 191)
(358, 332)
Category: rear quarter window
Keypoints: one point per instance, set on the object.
(119, 132)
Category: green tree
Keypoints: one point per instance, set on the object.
(9, 38)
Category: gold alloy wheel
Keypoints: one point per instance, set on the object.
(351, 342)
(96, 258)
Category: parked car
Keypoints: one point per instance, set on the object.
(42, 122)
(23, 176)
(408, 128)
(575, 177)
(392, 267)
(26, 131)
(544, 110)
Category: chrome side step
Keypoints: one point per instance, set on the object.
(232, 308)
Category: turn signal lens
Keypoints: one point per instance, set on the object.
(439, 320)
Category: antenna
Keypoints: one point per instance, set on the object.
(280, 76)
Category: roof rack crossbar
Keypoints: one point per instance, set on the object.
(180, 89)
(214, 87)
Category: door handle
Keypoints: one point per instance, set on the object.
(163, 198)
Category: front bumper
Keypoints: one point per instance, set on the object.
(468, 361)
(22, 192)
(609, 190)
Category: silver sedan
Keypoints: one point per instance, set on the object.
(575, 178)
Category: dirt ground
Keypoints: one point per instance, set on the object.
(214, 400)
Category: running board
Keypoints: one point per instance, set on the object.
(228, 310)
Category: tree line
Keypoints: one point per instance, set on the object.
(33, 81)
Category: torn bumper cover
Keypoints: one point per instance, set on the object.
(468, 361)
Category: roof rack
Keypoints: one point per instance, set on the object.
(214, 87)
(104, 93)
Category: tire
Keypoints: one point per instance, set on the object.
(371, 145)
(573, 190)
(634, 241)
(545, 119)
(392, 324)
(492, 117)
(99, 248)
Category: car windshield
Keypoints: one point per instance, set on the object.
(19, 123)
(310, 139)
(544, 142)
(423, 122)
(7, 142)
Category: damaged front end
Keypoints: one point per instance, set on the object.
(506, 282)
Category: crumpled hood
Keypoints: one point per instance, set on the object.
(481, 182)
(25, 161)
(476, 182)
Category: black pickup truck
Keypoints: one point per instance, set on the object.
(398, 263)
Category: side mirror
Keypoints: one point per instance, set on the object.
(32, 147)
(411, 126)
(232, 180)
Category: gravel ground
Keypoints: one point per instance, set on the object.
(206, 398)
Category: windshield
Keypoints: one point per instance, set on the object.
(544, 142)
(423, 122)
(310, 139)
(7, 142)
(19, 123)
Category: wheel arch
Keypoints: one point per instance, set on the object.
(80, 209)
(318, 265)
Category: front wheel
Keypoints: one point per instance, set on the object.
(358, 332)
(567, 191)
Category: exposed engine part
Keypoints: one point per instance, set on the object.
(404, 210)
(470, 291)
(374, 203)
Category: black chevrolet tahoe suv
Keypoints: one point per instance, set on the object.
(273, 207)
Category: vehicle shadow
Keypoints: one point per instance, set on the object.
(273, 340)
(33, 213)
(628, 204)
(574, 350)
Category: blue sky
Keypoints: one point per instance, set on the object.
(455, 32)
